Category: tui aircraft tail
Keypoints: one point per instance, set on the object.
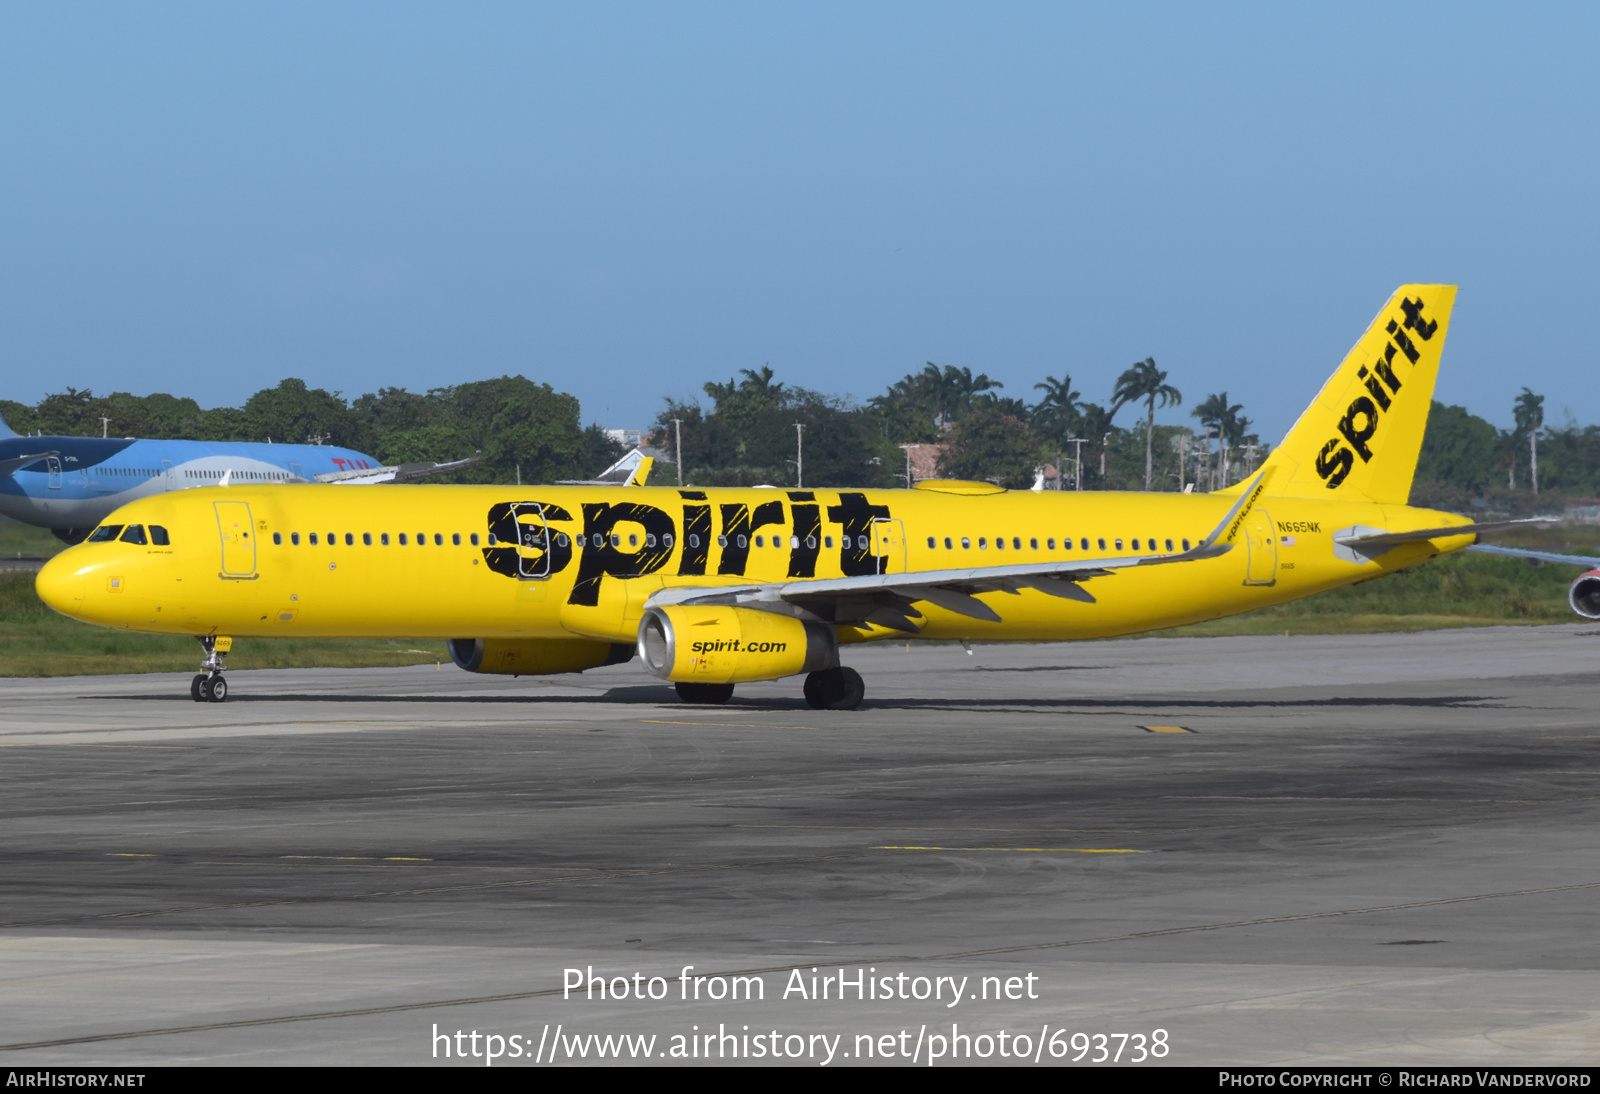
(1361, 436)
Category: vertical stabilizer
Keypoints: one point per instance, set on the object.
(1361, 437)
(5, 430)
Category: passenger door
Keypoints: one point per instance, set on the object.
(54, 464)
(889, 545)
(238, 539)
(167, 476)
(1263, 544)
(533, 540)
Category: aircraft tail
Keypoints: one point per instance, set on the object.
(5, 430)
(1361, 436)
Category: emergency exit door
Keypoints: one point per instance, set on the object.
(1262, 539)
(238, 539)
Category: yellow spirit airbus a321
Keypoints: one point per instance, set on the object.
(719, 586)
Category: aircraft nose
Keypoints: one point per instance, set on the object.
(60, 584)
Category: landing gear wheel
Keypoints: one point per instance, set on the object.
(218, 691)
(834, 689)
(194, 687)
(708, 694)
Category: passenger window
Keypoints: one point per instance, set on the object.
(811, 543)
(1185, 545)
(1033, 544)
(455, 539)
(277, 539)
(473, 538)
(1135, 545)
(947, 544)
(1169, 545)
(827, 541)
(633, 540)
(932, 542)
(402, 539)
(294, 538)
(999, 543)
(743, 542)
(312, 539)
(694, 541)
(561, 539)
(422, 539)
(966, 544)
(1119, 545)
(134, 534)
(759, 542)
(666, 540)
(105, 533)
(1084, 543)
(722, 541)
(492, 540)
(158, 536)
(1051, 544)
(983, 543)
(649, 539)
(350, 539)
(366, 538)
(1101, 542)
(438, 540)
(1016, 543)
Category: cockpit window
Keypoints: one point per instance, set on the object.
(158, 536)
(105, 533)
(134, 534)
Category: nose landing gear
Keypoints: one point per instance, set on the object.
(209, 686)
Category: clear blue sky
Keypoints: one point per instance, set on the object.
(626, 201)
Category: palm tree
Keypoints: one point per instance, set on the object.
(1217, 413)
(760, 382)
(1058, 412)
(1529, 413)
(1145, 381)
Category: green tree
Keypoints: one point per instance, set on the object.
(990, 445)
(1057, 415)
(1145, 381)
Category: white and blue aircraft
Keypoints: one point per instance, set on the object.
(70, 484)
(1583, 595)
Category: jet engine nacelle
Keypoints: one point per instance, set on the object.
(717, 644)
(1584, 595)
(535, 656)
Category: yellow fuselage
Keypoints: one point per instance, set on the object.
(417, 561)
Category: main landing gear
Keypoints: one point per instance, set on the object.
(834, 689)
(209, 686)
(829, 689)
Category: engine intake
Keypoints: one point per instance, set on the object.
(718, 644)
(1584, 595)
(535, 656)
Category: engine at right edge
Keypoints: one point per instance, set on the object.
(721, 644)
(1584, 595)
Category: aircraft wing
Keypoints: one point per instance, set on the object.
(405, 472)
(887, 599)
(17, 463)
(1537, 556)
(1390, 539)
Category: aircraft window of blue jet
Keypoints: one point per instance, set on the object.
(105, 533)
(134, 534)
(158, 536)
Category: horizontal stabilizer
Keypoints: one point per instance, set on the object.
(1391, 539)
(395, 473)
(17, 463)
(632, 470)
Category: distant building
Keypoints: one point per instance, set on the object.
(628, 438)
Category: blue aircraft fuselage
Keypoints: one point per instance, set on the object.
(83, 479)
